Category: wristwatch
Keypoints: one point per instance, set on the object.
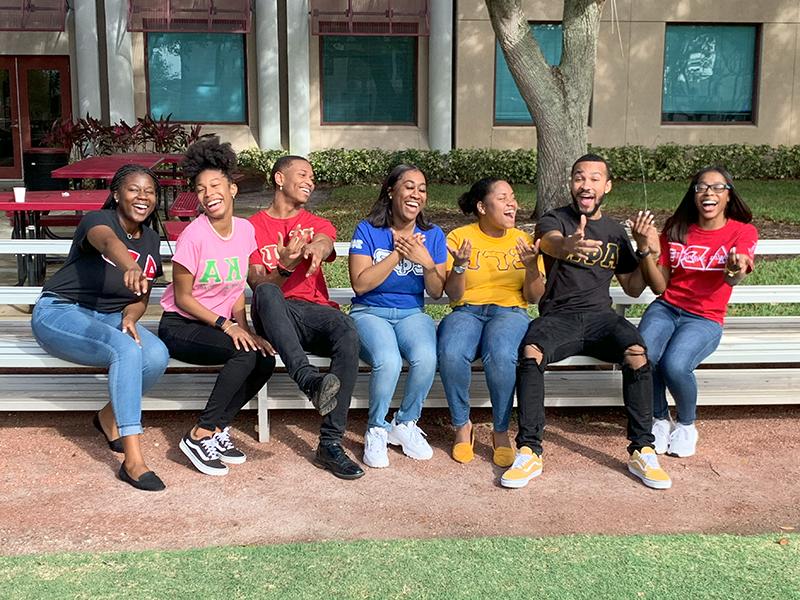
(220, 322)
(642, 255)
(283, 271)
(460, 269)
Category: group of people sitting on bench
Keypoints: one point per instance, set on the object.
(490, 270)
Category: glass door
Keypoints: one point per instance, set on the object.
(45, 97)
(10, 155)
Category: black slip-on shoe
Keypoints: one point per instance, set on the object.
(149, 481)
(115, 445)
(333, 458)
(323, 393)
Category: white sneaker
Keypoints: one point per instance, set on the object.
(412, 439)
(661, 430)
(683, 440)
(375, 454)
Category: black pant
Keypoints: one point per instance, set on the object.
(295, 327)
(242, 375)
(604, 335)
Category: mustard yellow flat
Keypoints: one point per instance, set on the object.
(503, 456)
(464, 452)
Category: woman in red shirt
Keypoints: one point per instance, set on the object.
(706, 248)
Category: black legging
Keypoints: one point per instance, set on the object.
(243, 373)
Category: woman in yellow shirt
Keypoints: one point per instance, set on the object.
(492, 275)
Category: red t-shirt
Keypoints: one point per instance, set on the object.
(298, 286)
(697, 268)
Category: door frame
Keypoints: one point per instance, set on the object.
(15, 170)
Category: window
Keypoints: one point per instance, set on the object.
(369, 79)
(709, 73)
(509, 107)
(197, 77)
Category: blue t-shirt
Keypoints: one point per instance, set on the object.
(405, 286)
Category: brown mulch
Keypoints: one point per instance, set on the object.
(60, 492)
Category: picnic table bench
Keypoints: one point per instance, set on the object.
(757, 362)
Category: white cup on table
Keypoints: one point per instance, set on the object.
(19, 194)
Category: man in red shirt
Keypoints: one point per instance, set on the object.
(292, 310)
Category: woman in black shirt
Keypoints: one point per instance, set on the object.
(89, 309)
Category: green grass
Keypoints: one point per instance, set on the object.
(662, 567)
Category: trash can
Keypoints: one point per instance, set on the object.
(37, 167)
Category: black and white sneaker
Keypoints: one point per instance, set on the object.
(203, 454)
(228, 453)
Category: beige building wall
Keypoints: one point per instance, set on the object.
(626, 107)
(387, 137)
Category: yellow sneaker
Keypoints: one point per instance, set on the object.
(527, 465)
(644, 464)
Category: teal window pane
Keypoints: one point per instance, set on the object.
(509, 107)
(197, 77)
(709, 73)
(369, 79)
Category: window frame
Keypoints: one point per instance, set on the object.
(243, 37)
(415, 81)
(754, 110)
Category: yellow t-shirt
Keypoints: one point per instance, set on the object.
(495, 274)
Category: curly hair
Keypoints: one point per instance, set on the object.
(209, 153)
(116, 184)
(468, 201)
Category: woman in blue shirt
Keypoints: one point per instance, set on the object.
(395, 257)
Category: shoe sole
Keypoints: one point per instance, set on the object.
(237, 460)
(655, 485)
(519, 483)
(198, 464)
(406, 452)
(375, 465)
(678, 455)
(327, 394)
(334, 473)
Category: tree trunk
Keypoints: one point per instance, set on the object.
(558, 97)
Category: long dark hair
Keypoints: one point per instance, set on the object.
(380, 215)
(468, 201)
(209, 154)
(116, 183)
(686, 214)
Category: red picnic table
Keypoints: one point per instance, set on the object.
(104, 167)
(27, 220)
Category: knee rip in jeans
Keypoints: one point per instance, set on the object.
(635, 357)
(534, 352)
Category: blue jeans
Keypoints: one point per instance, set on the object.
(492, 333)
(389, 335)
(677, 341)
(87, 337)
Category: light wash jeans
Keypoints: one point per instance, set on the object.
(492, 333)
(677, 341)
(87, 337)
(389, 335)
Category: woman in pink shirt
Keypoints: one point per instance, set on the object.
(706, 248)
(205, 321)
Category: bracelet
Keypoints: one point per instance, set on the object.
(732, 274)
(233, 324)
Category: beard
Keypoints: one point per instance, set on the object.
(591, 213)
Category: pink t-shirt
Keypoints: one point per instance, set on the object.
(697, 268)
(298, 286)
(219, 265)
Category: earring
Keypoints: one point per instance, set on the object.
(280, 188)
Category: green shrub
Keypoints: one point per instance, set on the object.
(462, 166)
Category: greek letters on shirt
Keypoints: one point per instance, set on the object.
(696, 257)
(606, 256)
(269, 252)
(403, 268)
(149, 269)
(210, 272)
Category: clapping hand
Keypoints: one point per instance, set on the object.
(528, 253)
(413, 248)
(462, 255)
(644, 232)
(290, 255)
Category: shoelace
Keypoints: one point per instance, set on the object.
(416, 433)
(374, 437)
(651, 460)
(521, 460)
(210, 448)
(224, 440)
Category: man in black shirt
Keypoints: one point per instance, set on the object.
(582, 251)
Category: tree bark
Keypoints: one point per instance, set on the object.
(558, 97)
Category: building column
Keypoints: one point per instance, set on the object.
(269, 97)
(297, 49)
(120, 63)
(87, 58)
(440, 77)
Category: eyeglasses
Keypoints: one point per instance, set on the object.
(715, 187)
